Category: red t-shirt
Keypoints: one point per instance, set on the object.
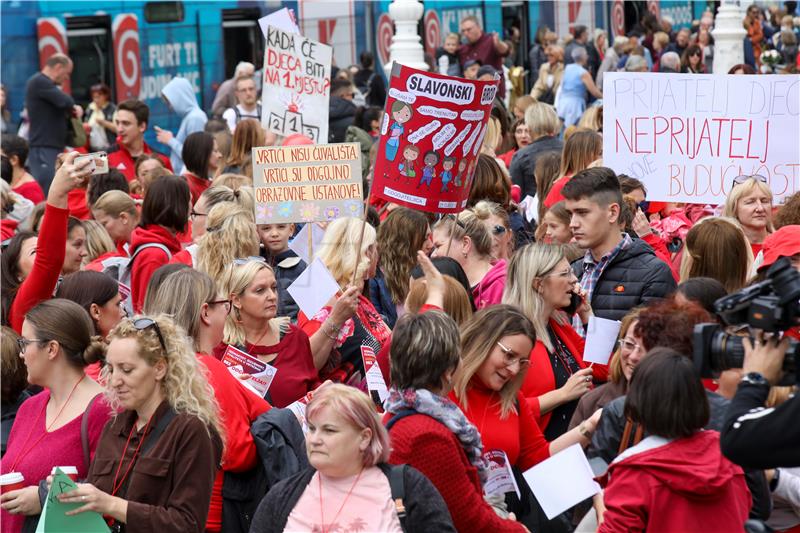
(122, 160)
(30, 190)
(196, 185)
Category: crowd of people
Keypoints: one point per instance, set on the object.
(123, 291)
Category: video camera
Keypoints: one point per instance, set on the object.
(772, 305)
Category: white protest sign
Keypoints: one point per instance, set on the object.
(313, 288)
(375, 381)
(299, 244)
(562, 481)
(500, 479)
(283, 19)
(687, 136)
(601, 336)
(296, 85)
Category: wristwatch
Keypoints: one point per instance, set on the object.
(755, 378)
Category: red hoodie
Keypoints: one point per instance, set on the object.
(149, 259)
(683, 485)
(489, 290)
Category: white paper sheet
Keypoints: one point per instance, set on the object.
(562, 481)
(601, 337)
(282, 19)
(313, 288)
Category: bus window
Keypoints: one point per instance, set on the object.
(90, 48)
(155, 12)
(242, 37)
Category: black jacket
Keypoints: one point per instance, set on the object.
(341, 113)
(633, 277)
(524, 161)
(287, 267)
(607, 436)
(48, 109)
(425, 508)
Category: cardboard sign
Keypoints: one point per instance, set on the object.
(501, 479)
(307, 183)
(432, 130)
(260, 373)
(54, 517)
(375, 382)
(296, 85)
(687, 136)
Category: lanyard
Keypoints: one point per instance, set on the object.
(114, 486)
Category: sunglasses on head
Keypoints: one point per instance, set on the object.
(244, 260)
(738, 180)
(144, 323)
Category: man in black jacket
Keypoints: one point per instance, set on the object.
(617, 272)
(48, 109)
(543, 125)
(341, 110)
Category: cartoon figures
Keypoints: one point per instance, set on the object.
(461, 166)
(410, 155)
(470, 173)
(431, 159)
(401, 112)
(447, 171)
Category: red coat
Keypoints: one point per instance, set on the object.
(149, 259)
(685, 485)
(434, 450)
(122, 160)
(196, 185)
(41, 282)
(540, 378)
(8, 228)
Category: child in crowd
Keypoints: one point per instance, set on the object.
(286, 264)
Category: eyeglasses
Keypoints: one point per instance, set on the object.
(511, 357)
(629, 346)
(228, 304)
(738, 180)
(563, 274)
(244, 260)
(194, 214)
(144, 323)
(23, 343)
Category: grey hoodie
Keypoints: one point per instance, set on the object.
(181, 98)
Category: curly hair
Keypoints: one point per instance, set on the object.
(185, 384)
(399, 237)
(230, 234)
(671, 324)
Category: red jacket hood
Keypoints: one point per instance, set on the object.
(693, 467)
(489, 290)
(155, 233)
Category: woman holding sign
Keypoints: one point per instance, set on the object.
(192, 299)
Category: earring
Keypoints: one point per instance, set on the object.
(238, 315)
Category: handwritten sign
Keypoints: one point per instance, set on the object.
(307, 183)
(431, 134)
(687, 136)
(54, 517)
(296, 85)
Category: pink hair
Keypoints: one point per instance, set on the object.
(358, 409)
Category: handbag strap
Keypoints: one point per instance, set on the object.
(85, 432)
(638, 433)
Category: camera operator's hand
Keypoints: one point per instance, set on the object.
(765, 357)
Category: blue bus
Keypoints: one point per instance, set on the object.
(136, 47)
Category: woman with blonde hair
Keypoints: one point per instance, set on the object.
(497, 222)
(248, 135)
(580, 151)
(118, 214)
(716, 247)
(98, 243)
(495, 348)
(153, 377)
(348, 450)
(252, 326)
(541, 284)
(750, 203)
(492, 140)
(230, 234)
(349, 321)
(191, 298)
(466, 239)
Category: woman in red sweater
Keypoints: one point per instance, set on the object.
(29, 277)
(202, 159)
(191, 298)
(165, 213)
(428, 431)
(253, 327)
(541, 283)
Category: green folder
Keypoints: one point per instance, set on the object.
(54, 517)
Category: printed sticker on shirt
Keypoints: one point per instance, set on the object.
(252, 373)
(375, 382)
(501, 479)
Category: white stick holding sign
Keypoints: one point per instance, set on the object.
(313, 288)
(601, 336)
(562, 481)
(299, 244)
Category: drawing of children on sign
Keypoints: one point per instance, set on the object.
(402, 113)
(461, 166)
(447, 171)
(431, 159)
(410, 155)
(471, 172)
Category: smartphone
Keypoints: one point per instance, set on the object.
(99, 162)
(574, 303)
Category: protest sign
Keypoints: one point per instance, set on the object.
(313, 288)
(687, 136)
(307, 183)
(283, 19)
(601, 337)
(500, 479)
(259, 375)
(296, 85)
(54, 517)
(375, 382)
(432, 130)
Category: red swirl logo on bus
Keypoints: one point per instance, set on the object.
(52, 37)
(128, 72)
